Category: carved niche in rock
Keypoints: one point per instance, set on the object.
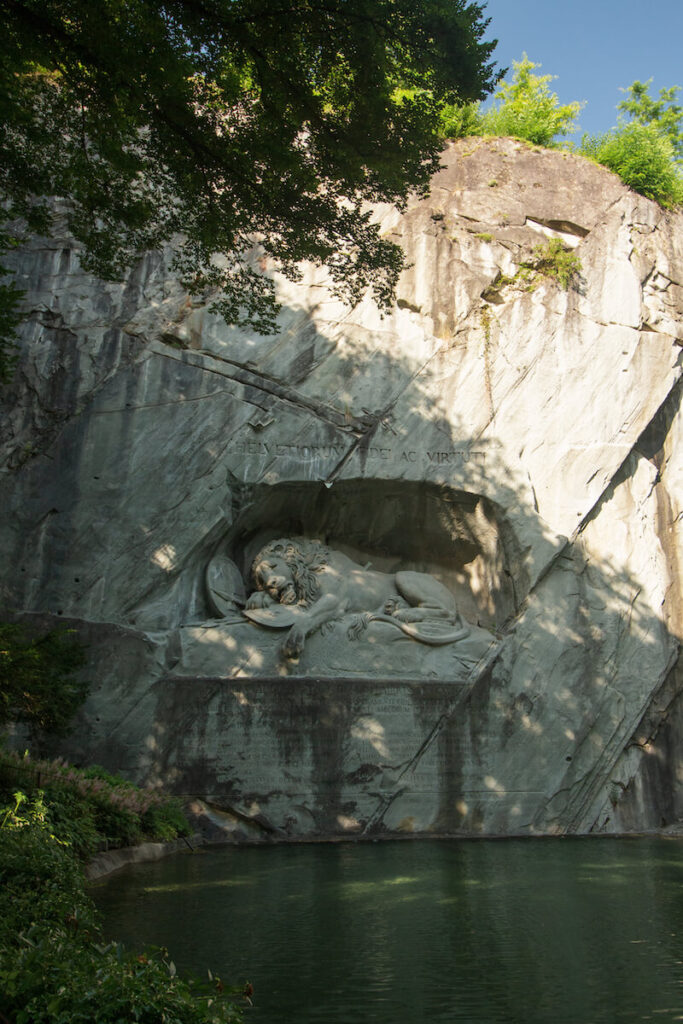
(340, 619)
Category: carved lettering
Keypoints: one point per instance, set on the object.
(448, 458)
(371, 452)
(334, 452)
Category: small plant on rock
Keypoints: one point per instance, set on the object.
(556, 260)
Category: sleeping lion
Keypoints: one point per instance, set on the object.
(321, 585)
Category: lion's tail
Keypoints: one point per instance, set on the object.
(418, 632)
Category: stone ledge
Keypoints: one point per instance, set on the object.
(106, 863)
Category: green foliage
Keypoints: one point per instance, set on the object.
(10, 298)
(551, 259)
(165, 821)
(88, 809)
(646, 149)
(555, 260)
(525, 108)
(643, 157)
(54, 966)
(38, 677)
(459, 120)
(663, 114)
(220, 122)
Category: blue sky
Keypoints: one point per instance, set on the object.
(594, 47)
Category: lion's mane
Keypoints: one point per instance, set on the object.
(304, 557)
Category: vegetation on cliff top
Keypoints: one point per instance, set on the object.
(523, 108)
(645, 148)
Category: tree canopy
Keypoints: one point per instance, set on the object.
(220, 121)
(663, 114)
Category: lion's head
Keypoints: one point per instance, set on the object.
(303, 557)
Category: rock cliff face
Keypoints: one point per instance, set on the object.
(521, 443)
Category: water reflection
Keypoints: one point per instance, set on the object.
(575, 931)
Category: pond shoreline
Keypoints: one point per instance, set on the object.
(107, 863)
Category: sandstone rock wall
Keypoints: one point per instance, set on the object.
(518, 441)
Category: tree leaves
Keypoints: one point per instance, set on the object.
(38, 677)
(207, 122)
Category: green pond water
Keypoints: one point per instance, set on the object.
(564, 930)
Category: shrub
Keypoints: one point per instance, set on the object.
(527, 109)
(643, 157)
(91, 808)
(524, 108)
(664, 113)
(72, 820)
(460, 120)
(165, 821)
(54, 967)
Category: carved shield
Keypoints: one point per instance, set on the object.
(224, 586)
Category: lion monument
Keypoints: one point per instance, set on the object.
(302, 584)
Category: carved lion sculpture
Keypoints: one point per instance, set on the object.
(319, 585)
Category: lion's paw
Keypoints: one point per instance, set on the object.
(294, 643)
(409, 614)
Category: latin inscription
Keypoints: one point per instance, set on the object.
(312, 452)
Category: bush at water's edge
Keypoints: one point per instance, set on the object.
(90, 809)
(55, 967)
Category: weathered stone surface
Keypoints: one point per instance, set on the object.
(517, 442)
(113, 860)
